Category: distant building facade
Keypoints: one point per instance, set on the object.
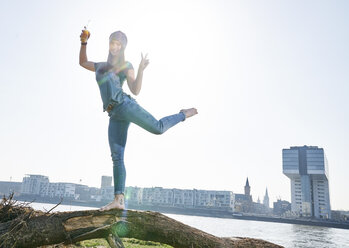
(66, 190)
(40, 185)
(281, 207)
(7, 188)
(134, 195)
(35, 185)
(339, 215)
(181, 198)
(307, 168)
(214, 199)
(106, 181)
(107, 190)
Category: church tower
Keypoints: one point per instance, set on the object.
(266, 199)
(247, 188)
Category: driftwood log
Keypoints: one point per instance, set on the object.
(21, 226)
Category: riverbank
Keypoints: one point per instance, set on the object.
(308, 222)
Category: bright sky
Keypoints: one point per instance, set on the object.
(264, 75)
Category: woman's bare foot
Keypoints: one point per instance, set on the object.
(189, 112)
(118, 203)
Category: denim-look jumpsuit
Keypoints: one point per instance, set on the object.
(125, 110)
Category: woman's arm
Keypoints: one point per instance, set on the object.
(83, 59)
(85, 34)
(135, 85)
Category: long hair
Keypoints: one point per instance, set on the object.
(116, 62)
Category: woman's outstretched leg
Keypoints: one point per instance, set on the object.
(133, 112)
(117, 133)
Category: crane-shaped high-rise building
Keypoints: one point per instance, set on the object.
(307, 168)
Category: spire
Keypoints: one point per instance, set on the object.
(247, 188)
(266, 198)
(247, 184)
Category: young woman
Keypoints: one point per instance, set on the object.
(122, 108)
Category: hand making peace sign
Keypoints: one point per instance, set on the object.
(144, 62)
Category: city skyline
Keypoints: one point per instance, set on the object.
(106, 182)
(40, 186)
(263, 76)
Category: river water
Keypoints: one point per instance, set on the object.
(287, 235)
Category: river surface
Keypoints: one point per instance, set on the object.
(287, 235)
